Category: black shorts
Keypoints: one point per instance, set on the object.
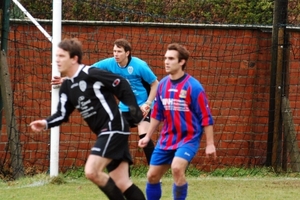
(131, 123)
(114, 146)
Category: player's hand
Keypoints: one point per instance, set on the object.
(57, 80)
(145, 108)
(38, 125)
(144, 141)
(211, 150)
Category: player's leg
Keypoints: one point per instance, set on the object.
(105, 150)
(119, 170)
(94, 172)
(121, 177)
(180, 185)
(183, 157)
(160, 163)
(142, 131)
(153, 185)
(94, 168)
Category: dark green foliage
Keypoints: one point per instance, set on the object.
(168, 11)
(39, 9)
(75, 173)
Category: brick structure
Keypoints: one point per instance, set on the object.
(233, 64)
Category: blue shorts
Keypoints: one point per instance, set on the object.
(161, 156)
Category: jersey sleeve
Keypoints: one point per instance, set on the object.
(102, 64)
(64, 109)
(158, 109)
(146, 73)
(201, 106)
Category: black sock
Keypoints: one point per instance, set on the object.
(148, 150)
(134, 193)
(112, 191)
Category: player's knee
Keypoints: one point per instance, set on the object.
(89, 174)
(177, 171)
(153, 177)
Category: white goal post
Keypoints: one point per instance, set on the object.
(55, 39)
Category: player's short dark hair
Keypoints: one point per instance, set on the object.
(123, 43)
(183, 53)
(73, 46)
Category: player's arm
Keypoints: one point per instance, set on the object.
(157, 116)
(149, 78)
(154, 123)
(210, 143)
(97, 65)
(147, 105)
(102, 64)
(64, 109)
(153, 90)
(207, 123)
(57, 80)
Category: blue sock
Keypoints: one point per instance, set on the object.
(153, 191)
(180, 192)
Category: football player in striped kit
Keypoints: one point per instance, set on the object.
(181, 104)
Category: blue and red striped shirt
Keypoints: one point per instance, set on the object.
(183, 107)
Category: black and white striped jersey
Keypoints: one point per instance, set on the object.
(92, 92)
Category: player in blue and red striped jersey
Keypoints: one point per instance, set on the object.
(182, 106)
